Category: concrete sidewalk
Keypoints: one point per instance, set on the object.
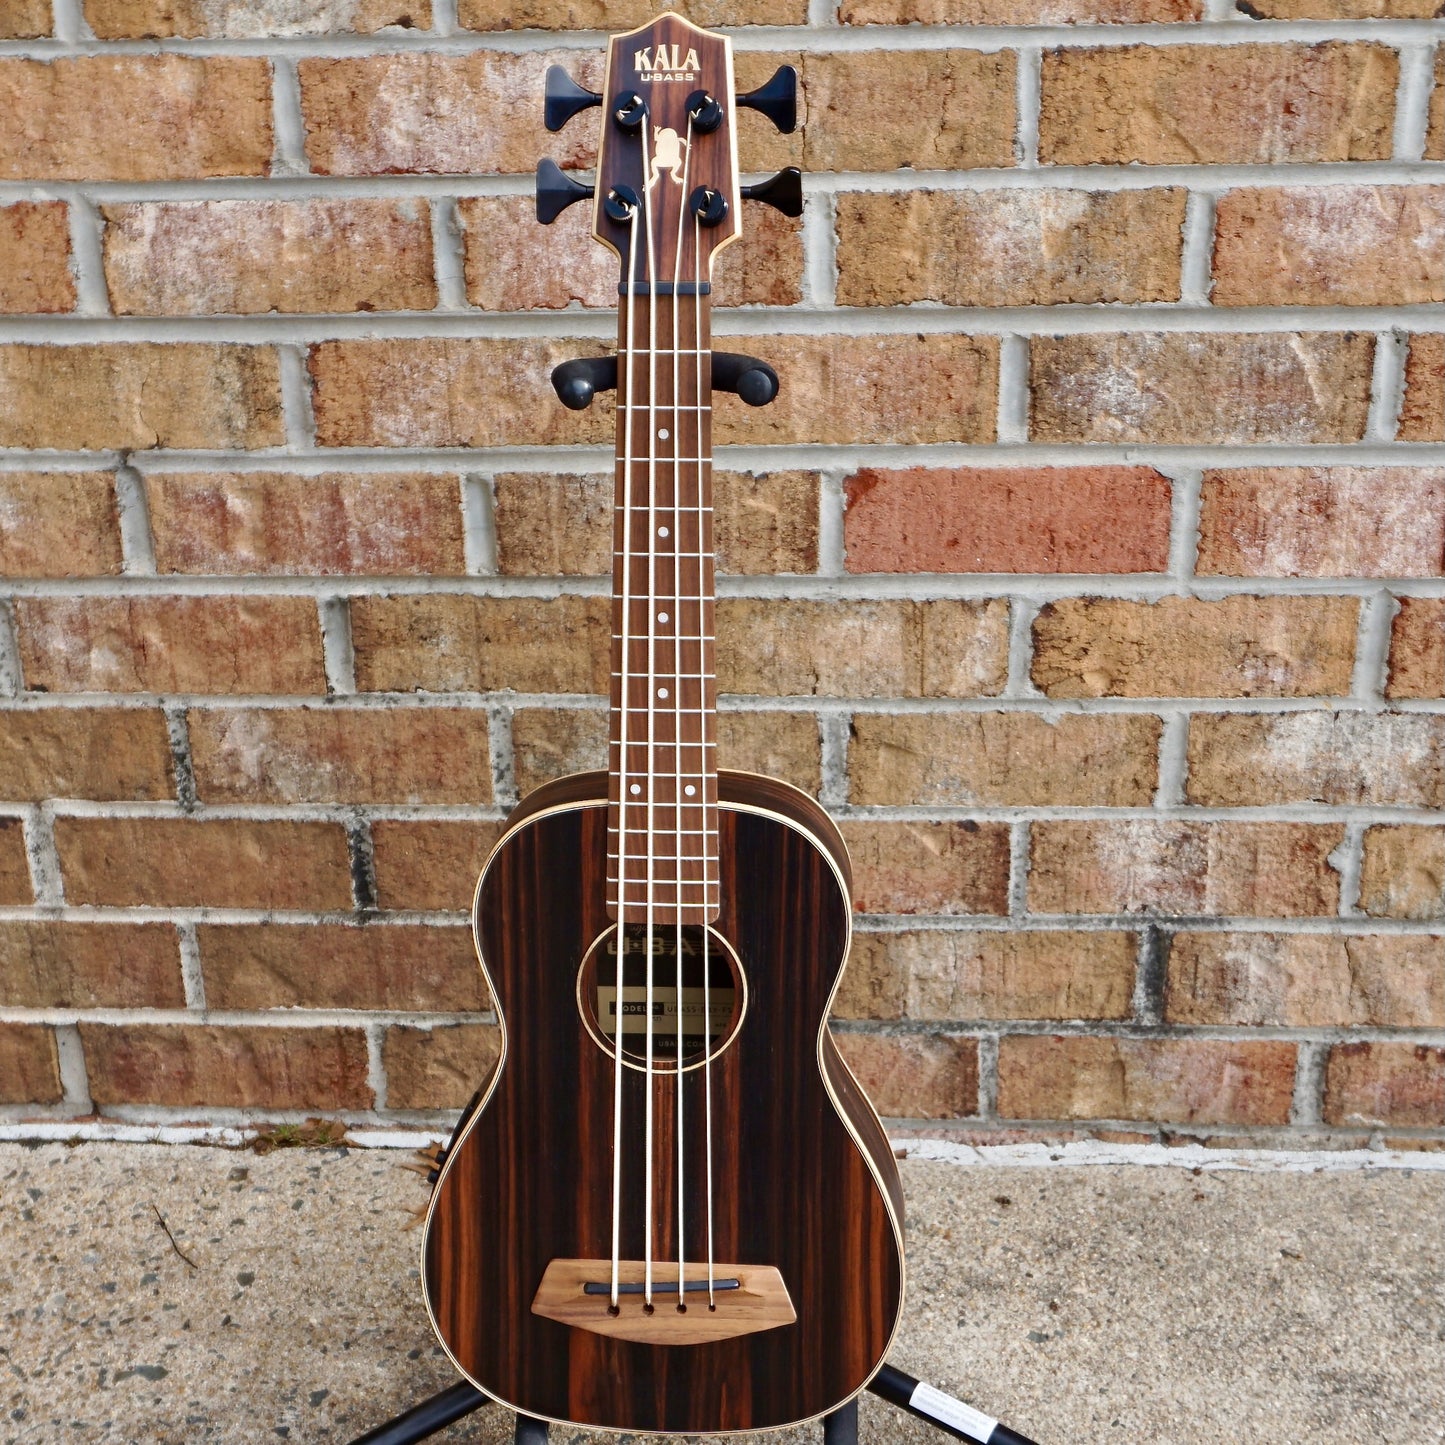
(1119, 1303)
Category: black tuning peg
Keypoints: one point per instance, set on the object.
(777, 99)
(564, 98)
(556, 190)
(783, 191)
(577, 382)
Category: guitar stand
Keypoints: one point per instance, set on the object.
(942, 1411)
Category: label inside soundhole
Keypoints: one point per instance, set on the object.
(708, 1012)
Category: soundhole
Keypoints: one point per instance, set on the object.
(714, 994)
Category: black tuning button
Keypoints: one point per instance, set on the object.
(783, 191)
(709, 206)
(777, 99)
(577, 382)
(564, 98)
(556, 190)
(754, 381)
(629, 110)
(706, 113)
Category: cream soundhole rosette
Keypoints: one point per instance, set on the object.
(722, 1009)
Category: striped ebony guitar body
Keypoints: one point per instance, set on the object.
(670, 1208)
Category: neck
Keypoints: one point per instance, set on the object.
(662, 840)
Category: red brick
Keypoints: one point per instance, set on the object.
(380, 524)
(58, 524)
(1324, 245)
(333, 755)
(1143, 865)
(1386, 1083)
(200, 1066)
(432, 865)
(1417, 649)
(862, 649)
(29, 1065)
(1402, 874)
(1177, 388)
(1008, 519)
(90, 965)
(1251, 759)
(341, 966)
(1174, 1081)
(438, 1068)
(266, 20)
(508, 268)
(25, 20)
(1217, 104)
(1422, 414)
(1435, 137)
(15, 886)
(109, 754)
(171, 644)
(945, 975)
(1188, 647)
(137, 395)
(1323, 522)
(1003, 759)
(915, 1077)
(1009, 12)
(929, 867)
(35, 257)
(203, 863)
(1306, 980)
(136, 117)
(615, 15)
(440, 643)
(1008, 247)
(190, 258)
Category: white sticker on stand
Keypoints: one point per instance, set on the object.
(974, 1423)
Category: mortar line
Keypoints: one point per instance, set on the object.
(1372, 646)
(183, 771)
(502, 753)
(1220, 11)
(1306, 1106)
(448, 254)
(298, 419)
(832, 522)
(362, 856)
(1348, 860)
(822, 13)
(43, 857)
(479, 525)
(69, 23)
(1412, 99)
(1173, 761)
(820, 249)
(376, 1064)
(1028, 86)
(444, 21)
(1022, 612)
(1150, 964)
(337, 650)
(1196, 261)
(287, 122)
(132, 509)
(87, 263)
(1185, 506)
(833, 737)
(1012, 424)
(1019, 862)
(12, 672)
(1387, 386)
(193, 978)
(74, 1077)
(988, 1077)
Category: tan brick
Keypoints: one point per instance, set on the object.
(171, 644)
(356, 755)
(1140, 865)
(1188, 647)
(203, 863)
(191, 1066)
(929, 867)
(550, 743)
(508, 267)
(1417, 649)
(1343, 9)
(1009, 12)
(136, 117)
(1008, 519)
(936, 975)
(1179, 388)
(1402, 874)
(1435, 137)
(777, 744)
(1324, 245)
(433, 865)
(1249, 759)
(1008, 247)
(1323, 522)
(229, 19)
(1306, 980)
(915, 1077)
(90, 965)
(110, 754)
(29, 1065)
(1217, 105)
(58, 524)
(1386, 1083)
(15, 885)
(439, 1068)
(385, 524)
(1174, 1081)
(441, 643)
(25, 20)
(1003, 759)
(1422, 415)
(615, 15)
(188, 258)
(766, 522)
(862, 649)
(138, 395)
(35, 257)
(341, 966)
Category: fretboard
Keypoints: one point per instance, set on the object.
(662, 833)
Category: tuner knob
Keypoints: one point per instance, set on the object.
(754, 381)
(629, 110)
(577, 382)
(709, 206)
(564, 98)
(783, 191)
(777, 99)
(556, 190)
(706, 112)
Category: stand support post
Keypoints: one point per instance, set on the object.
(841, 1427)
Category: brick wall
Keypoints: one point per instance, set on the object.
(1089, 567)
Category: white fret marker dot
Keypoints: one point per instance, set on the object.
(635, 788)
(662, 432)
(662, 617)
(689, 790)
(662, 692)
(662, 531)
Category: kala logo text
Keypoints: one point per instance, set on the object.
(667, 62)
